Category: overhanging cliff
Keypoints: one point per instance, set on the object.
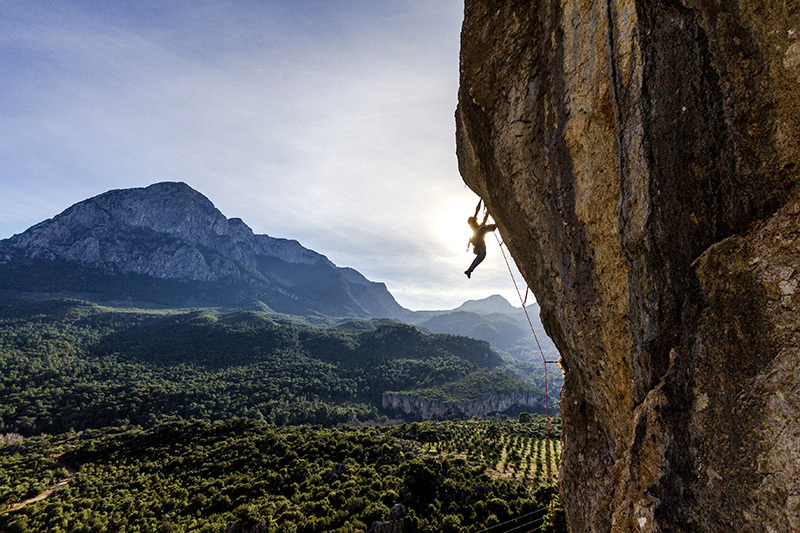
(640, 159)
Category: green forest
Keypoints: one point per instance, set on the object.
(247, 475)
(70, 365)
(246, 422)
(473, 386)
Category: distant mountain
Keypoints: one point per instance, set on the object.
(496, 321)
(167, 245)
(487, 306)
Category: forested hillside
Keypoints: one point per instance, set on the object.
(250, 422)
(66, 364)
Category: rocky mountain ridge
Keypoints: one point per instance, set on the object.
(172, 233)
(172, 209)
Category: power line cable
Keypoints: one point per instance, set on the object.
(509, 521)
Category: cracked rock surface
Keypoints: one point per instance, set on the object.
(641, 160)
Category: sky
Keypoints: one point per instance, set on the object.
(328, 122)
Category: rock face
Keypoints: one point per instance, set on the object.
(641, 160)
(426, 409)
(120, 241)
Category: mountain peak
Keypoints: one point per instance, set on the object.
(169, 231)
(168, 207)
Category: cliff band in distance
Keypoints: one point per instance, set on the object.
(641, 161)
(427, 409)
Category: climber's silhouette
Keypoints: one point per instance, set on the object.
(479, 232)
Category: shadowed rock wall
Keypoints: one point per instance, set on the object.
(640, 159)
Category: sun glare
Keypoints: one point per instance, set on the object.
(452, 228)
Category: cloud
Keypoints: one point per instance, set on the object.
(326, 122)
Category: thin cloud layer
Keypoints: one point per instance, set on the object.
(326, 122)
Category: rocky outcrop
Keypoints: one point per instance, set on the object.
(169, 231)
(640, 158)
(425, 409)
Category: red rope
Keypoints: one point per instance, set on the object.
(546, 362)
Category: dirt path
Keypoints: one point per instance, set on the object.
(44, 494)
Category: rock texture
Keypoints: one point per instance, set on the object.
(640, 158)
(118, 241)
(425, 409)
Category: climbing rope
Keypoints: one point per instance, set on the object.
(544, 360)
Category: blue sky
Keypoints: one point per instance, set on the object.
(329, 122)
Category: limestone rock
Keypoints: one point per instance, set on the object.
(641, 160)
(171, 209)
(426, 409)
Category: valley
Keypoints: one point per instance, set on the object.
(66, 364)
(190, 375)
(245, 421)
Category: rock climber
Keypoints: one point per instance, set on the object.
(479, 231)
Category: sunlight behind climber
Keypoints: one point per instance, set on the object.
(479, 232)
